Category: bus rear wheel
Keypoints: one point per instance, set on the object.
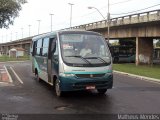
(102, 91)
(38, 78)
(58, 91)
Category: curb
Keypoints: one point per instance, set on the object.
(10, 78)
(14, 61)
(138, 76)
(19, 79)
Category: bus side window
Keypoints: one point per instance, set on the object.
(39, 47)
(34, 48)
(45, 47)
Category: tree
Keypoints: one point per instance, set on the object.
(9, 10)
(115, 43)
(158, 43)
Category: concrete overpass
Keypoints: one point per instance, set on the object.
(21, 43)
(142, 27)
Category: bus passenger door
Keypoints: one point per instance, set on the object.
(55, 59)
(44, 60)
(33, 53)
(52, 59)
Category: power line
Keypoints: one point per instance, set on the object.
(137, 10)
(104, 8)
(120, 2)
(119, 13)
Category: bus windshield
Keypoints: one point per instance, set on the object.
(84, 50)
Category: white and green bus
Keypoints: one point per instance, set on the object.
(72, 61)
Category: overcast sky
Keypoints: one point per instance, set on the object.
(40, 9)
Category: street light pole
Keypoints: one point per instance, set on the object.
(11, 36)
(6, 37)
(16, 35)
(98, 11)
(38, 25)
(2, 38)
(108, 23)
(29, 26)
(22, 32)
(51, 21)
(71, 14)
(108, 20)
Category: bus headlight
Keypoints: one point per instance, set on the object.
(66, 75)
(109, 73)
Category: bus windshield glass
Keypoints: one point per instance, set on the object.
(84, 50)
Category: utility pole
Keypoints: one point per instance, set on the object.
(51, 21)
(71, 14)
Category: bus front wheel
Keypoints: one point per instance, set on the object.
(58, 91)
(102, 91)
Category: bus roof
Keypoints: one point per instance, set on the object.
(78, 31)
(63, 32)
(44, 35)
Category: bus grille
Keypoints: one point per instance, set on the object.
(89, 75)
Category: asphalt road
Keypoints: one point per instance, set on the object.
(129, 96)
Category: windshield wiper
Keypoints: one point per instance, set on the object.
(97, 58)
(79, 57)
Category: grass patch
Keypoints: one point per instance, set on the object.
(142, 70)
(5, 58)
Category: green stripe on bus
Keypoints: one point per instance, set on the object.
(83, 72)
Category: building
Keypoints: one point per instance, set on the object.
(16, 52)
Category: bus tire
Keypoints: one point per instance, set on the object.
(58, 91)
(38, 78)
(102, 91)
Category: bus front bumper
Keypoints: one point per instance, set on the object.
(75, 83)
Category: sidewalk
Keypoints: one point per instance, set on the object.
(138, 76)
(4, 77)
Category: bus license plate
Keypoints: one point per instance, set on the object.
(90, 87)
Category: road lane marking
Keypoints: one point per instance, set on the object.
(10, 78)
(19, 79)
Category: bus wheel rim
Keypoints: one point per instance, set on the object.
(58, 89)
